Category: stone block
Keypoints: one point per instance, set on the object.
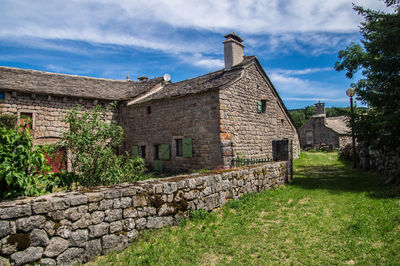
(29, 223)
(114, 242)
(47, 262)
(94, 196)
(39, 237)
(112, 193)
(98, 230)
(115, 227)
(141, 223)
(15, 211)
(113, 215)
(5, 228)
(139, 200)
(130, 213)
(60, 203)
(56, 246)
(42, 207)
(166, 209)
(93, 248)
(78, 199)
(71, 256)
(78, 238)
(97, 217)
(72, 214)
(29, 255)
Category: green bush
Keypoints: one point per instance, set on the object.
(23, 167)
(8, 121)
(92, 143)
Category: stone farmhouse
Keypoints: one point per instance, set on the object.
(197, 123)
(322, 130)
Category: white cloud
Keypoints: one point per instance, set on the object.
(301, 71)
(154, 24)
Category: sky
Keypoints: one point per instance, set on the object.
(296, 42)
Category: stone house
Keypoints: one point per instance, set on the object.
(197, 123)
(322, 130)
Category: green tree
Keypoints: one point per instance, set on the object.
(378, 58)
(92, 143)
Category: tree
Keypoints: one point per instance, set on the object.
(92, 142)
(378, 58)
(23, 167)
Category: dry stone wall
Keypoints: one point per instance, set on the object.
(244, 131)
(65, 228)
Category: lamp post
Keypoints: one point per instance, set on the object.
(351, 92)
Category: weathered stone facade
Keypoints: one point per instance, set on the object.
(322, 130)
(48, 112)
(194, 116)
(67, 228)
(233, 112)
(246, 132)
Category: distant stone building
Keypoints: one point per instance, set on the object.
(322, 130)
(197, 123)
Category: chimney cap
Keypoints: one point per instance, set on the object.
(234, 36)
(143, 78)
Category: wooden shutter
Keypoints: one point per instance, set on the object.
(157, 166)
(259, 107)
(187, 147)
(135, 151)
(165, 152)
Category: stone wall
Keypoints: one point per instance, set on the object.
(47, 112)
(193, 116)
(246, 132)
(70, 227)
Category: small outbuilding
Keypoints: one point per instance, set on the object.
(324, 131)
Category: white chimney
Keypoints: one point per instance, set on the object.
(233, 50)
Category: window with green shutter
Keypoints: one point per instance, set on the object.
(259, 107)
(135, 151)
(187, 147)
(262, 106)
(165, 152)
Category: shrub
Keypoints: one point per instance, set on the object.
(23, 167)
(8, 121)
(92, 143)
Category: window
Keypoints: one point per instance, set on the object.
(178, 147)
(262, 106)
(148, 110)
(143, 152)
(157, 152)
(26, 120)
(309, 138)
(1, 95)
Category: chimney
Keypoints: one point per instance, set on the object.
(143, 78)
(320, 109)
(233, 50)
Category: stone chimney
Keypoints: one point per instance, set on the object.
(320, 109)
(233, 50)
(143, 78)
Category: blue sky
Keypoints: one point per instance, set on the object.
(295, 41)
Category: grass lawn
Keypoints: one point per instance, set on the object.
(330, 214)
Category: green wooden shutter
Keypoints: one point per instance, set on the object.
(187, 148)
(259, 107)
(135, 151)
(157, 166)
(165, 153)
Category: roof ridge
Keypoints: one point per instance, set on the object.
(61, 74)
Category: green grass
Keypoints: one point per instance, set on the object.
(330, 214)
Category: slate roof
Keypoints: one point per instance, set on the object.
(203, 83)
(338, 124)
(40, 82)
